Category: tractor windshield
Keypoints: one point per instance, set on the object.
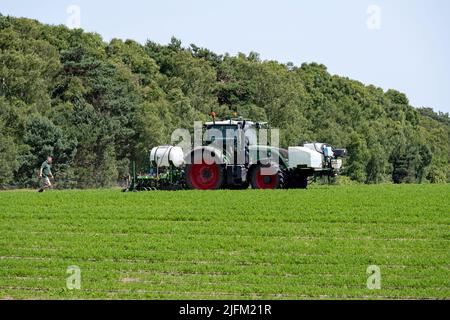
(220, 132)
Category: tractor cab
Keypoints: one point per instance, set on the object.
(232, 129)
(233, 136)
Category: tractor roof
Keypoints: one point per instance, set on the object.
(232, 122)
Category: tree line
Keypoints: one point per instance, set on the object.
(96, 106)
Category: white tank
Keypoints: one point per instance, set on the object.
(305, 156)
(163, 154)
(314, 146)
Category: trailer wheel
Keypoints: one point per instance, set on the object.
(273, 180)
(298, 182)
(303, 182)
(204, 176)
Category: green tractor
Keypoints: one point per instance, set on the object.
(231, 157)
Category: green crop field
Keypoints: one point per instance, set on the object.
(284, 244)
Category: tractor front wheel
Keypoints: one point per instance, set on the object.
(204, 176)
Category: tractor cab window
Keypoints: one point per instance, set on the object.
(225, 137)
(221, 132)
(251, 137)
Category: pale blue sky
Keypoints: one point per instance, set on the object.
(410, 52)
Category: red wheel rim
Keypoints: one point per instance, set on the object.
(204, 176)
(265, 181)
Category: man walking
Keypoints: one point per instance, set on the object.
(45, 173)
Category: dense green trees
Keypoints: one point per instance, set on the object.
(42, 138)
(8, 157)
(97, 106)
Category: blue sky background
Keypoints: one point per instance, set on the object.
(410, 52)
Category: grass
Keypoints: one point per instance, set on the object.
(286, 244)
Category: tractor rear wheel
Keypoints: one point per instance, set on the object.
(273, 179)
(204, 176)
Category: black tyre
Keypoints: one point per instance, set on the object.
(298, 182)
(303, 182)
